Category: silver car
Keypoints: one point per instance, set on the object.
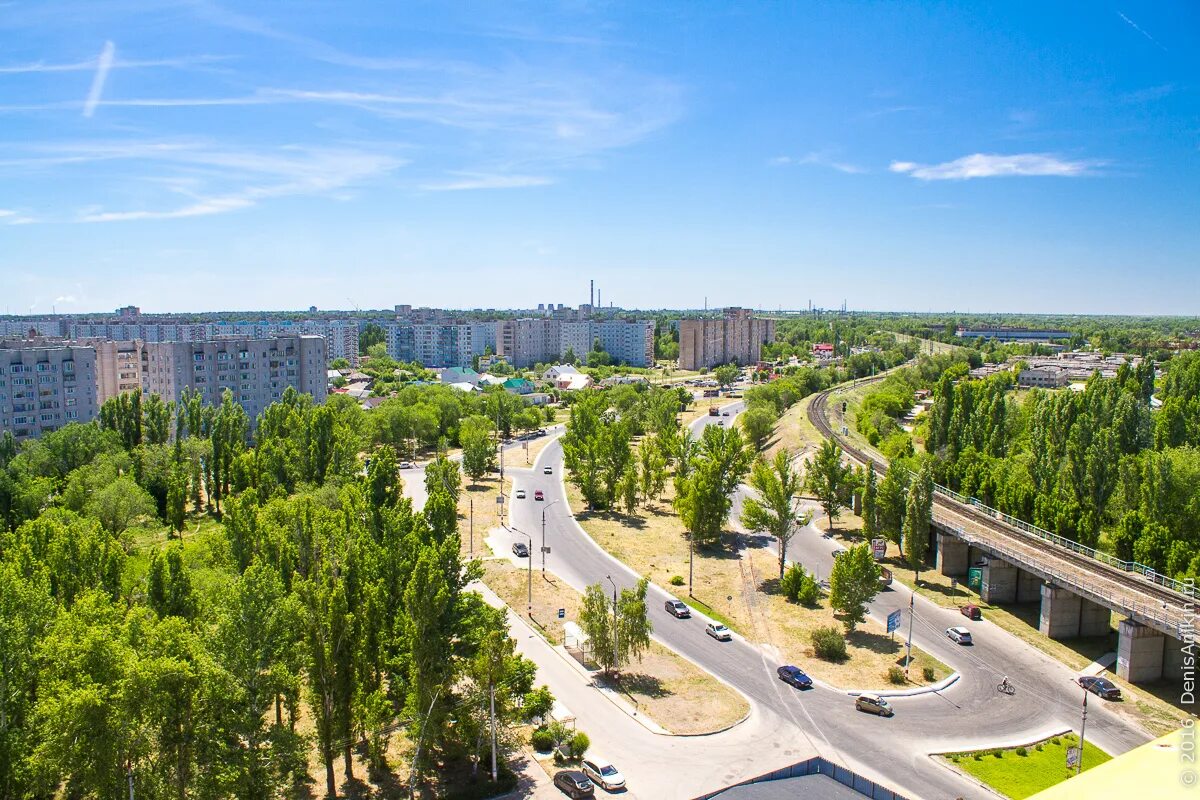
(718, 632)
(603, 774)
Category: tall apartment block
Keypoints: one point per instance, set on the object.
(43, 386)
(737, 337)
(256, 371)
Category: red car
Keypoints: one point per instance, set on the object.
(538, 495)
(971, 612)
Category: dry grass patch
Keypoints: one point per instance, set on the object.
(794, 431)
(477, 501)
(527, 456)
(663, 686)
(741, 590)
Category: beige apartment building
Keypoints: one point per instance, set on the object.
(737, 337)
(256, 371)
(44, 385)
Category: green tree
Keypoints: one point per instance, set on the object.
(827, 479)
(918, 515)
(759, 423)
(169, 587)
(773, 511)
(624, 619)
(870, 505)
(853, 583)
(371, 334)
(118, 504)
(727, 374)
(893, 497)
(704, 495)
(479, 450)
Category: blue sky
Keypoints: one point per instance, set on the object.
(198, 155)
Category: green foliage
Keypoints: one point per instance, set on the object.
(676, 580)
(370, 336)
(829, 479)
(577, 745)
(773, 511)
(758, 423)
(727, 374)
(853, 583)
(542, 740)
(895, 675)
(632, 628)
(707, 479)
(829, 644)
(928, 674)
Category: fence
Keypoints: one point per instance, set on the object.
(819, 766)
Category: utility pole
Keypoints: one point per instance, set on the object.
(908, 652)
(1082, 730)
(691, 561)
(528, 572)
(492, 686)
(129, 777)
(471, 504)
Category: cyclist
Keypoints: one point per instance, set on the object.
(1005, 685)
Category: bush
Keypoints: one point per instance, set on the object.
(896, 675)
(829, 644)
(542, 740)
(1056, 740)
(1039, 747)
(793, 580)
(537, 704)
(928, 674)
(810, 591)
(998, 753)
(1021, 751)
(676, 580)
(578, 745)
(978, 756)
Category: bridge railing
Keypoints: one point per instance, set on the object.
(1151, 612)
(1070, 544)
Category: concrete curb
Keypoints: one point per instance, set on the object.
(941, 760)
(1013, 743)
(944, 683)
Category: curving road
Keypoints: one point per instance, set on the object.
(968, 714)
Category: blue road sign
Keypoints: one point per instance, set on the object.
(562, 612)
(893, 620)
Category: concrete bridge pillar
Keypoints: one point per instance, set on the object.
(1059, 617)
(1029, 587)
(999, 583)
(1175, 662)
(1139, 652)
(951, 555)
(1094, 619)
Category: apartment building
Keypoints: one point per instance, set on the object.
(628, 342)
(118, 368)
(525, 342)
(45, 385)
(736, 337)
(256, 371)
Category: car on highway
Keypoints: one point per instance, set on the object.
(574, 783)
(959, 635)
(718, 632)
(1102, 687)
(677, 609)
(724, 413)
(794, 676)
(971, 612)
(537, 495)
(872, 703)
(603, 774)
(520, 494)
(547, 470)
(520, 550)
(721, 422)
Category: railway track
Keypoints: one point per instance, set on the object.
(1169, 607)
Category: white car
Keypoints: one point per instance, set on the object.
(959, 635)
(718, 632)
(520, 494)
(603, 774)
(406, 465)
(547, 470)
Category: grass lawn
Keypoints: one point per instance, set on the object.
(480, 496)
(1019, 776)
(741, 589)
(794, 431)
(669, 689)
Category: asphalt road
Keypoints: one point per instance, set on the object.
(968, 714)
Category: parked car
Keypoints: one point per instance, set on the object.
(794, 676)
(547, 470)
(959, 635)
(603, 774)
(677, 609)
(520, 550)
(885, 577)
(873, 704)
(406, 465)
(971, 612)
(574, 783)
(537, 495)
(718, 632)
(520, 494)
(1102, 687)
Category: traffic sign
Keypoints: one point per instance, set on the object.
(562, 612)
(1072, 756)
(546, 548)
(893, 622)
(879, 549)
(499, 499)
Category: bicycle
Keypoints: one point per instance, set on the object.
(1006, 687)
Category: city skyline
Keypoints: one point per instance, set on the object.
(204, 156)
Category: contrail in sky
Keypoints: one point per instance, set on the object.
(103, 65)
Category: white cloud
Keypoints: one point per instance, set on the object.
(823, 158)
(10, 217)
(990, 165)
(103, 65)
(1134, 25)
(92, 63)
(478, 180)
(66, 298)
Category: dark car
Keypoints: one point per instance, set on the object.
(574, 783)
(521, 550)
(794, 676)
(537, 495)
(677, 609)
(971, 612)
(1100, 686)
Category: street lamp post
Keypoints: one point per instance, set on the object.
(614, 636)
(528, 571)
(544, 510)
